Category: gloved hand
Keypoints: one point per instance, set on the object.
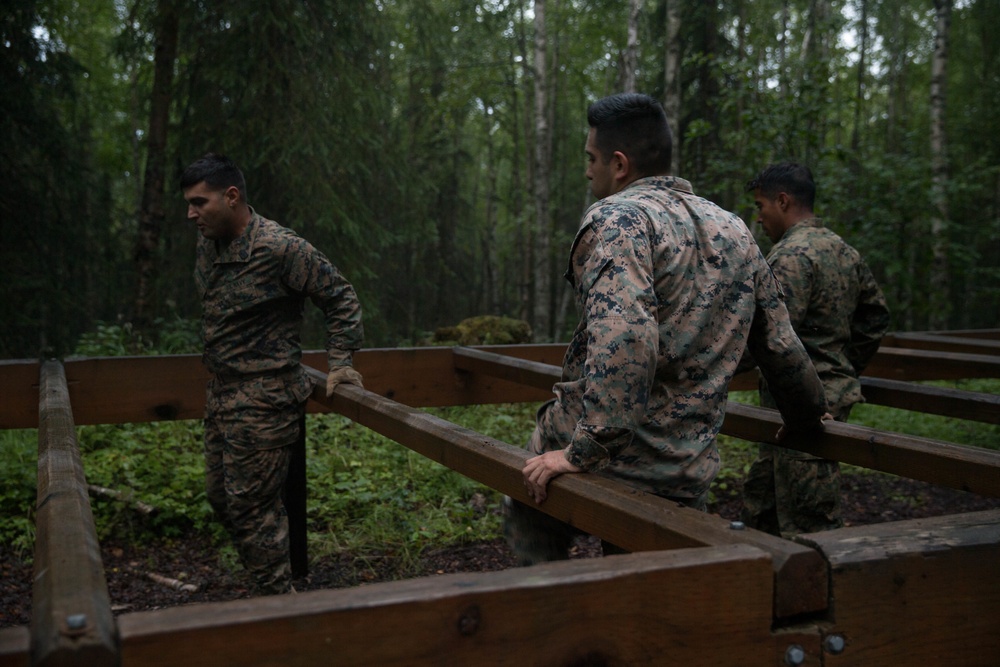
(342, 374)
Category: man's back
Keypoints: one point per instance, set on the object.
(694, 279)
(834, 304)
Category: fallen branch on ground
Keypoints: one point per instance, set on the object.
(124, 496)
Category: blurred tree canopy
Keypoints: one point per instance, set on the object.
(400, 137)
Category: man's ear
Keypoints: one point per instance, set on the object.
(621, 168)
(232, 196)
(784, 201)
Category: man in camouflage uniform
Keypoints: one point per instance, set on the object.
(253, 276)
(672, 290)
(839, 313)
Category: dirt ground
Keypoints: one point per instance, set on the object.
(867, 498)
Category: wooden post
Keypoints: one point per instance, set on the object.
(294, 497)
(71, 620)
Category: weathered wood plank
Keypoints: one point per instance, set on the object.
(634, 521)
(693, 607)
(915, 365)
(919, 592)
(71, 619)
(140, 389)
(947, 464)
(944, 401)
(955, 466)
(941, 342)
(14, 647)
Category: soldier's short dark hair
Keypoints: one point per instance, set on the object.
(790, 177)
(636, 125)
(217, 171)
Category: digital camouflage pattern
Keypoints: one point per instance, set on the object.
(840, 314)
(672, 290)
(253, 293)
(834, 303)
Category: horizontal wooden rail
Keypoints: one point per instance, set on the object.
(942, 463)
(943, 401)
(112, 390)
(71, 619)
(916, 592)
(693, 607)
(945, 464)
(633, 520)
(898, 363)
(942, 343)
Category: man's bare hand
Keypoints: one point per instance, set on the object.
(540, 470)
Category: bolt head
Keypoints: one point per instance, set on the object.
(834, 644)
(795, 655)
(737, 525)
(76, 621)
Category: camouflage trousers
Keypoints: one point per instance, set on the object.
(250, 427)
(535, 537)
(787, 492)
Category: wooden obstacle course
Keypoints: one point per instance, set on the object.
(700, 591)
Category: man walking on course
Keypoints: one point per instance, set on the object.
(253, 276)
(839, 313)
(671, 289)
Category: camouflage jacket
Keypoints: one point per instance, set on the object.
(672, 290)
(835, 305)
(253, 294)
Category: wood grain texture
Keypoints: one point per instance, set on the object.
(919, 592)
(71, 619)
(694, 607)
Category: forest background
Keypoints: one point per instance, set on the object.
(433, 149)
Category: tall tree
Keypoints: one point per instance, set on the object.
(151, 212)
(940, 303)
(541, 248)
(672, 78)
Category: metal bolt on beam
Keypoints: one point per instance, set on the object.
(737, 525)
(834, 644)
(795, 655)
(76, 621)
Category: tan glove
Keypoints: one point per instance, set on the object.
(342, 374)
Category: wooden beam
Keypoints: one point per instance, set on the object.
(942, 342)
(918, 592)
(15, 644)
(946, 464)
(955, 466)
(694, 607)
(633, 520)
(944, 401)
(108, 390)
(71, 619)
(914, 365)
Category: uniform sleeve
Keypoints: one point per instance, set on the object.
(782, 359)
(869, 322)
(308, 272)
(613, 274)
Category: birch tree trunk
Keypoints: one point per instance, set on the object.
(672, 81)
(940, 306)
(151, 213)
(543, 138)
(631, 59)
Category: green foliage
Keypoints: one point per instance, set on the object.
(484, 330)
(18, 484)
(167, 336)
